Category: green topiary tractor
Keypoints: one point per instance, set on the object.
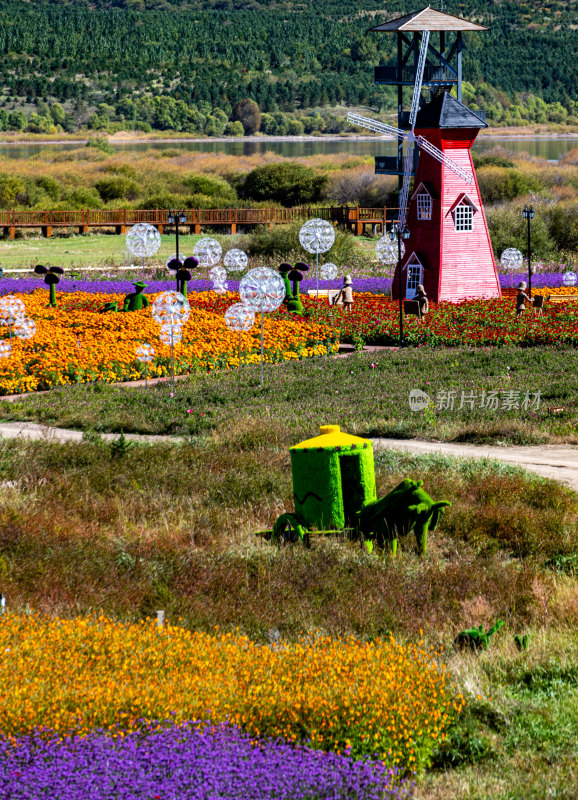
(334, 492)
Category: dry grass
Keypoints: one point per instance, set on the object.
(173, 527)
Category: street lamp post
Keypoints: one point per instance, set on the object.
(528, 214)
(394, 233)
(175, 218)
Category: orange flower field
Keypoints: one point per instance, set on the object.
(378, 698)
(76, 344)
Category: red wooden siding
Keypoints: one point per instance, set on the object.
(457, 264)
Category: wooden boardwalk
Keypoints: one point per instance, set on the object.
(353, 218)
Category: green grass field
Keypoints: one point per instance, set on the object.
(366, 393)
(96, 250)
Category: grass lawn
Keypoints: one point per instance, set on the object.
(90, 250)
(129, 529)
(367, 394)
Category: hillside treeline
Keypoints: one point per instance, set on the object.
(170, 65)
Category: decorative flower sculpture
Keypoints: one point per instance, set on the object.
(386, 250)
(50, 280)
(208, 251)
(328, 271)
(218, 275)
(25, 328)
(143, 240)
(145, 353)
(171, 308)
(236, 260)
(263, 289)
(239, 318)
(182, 267)
(12, 309)
(317, 236)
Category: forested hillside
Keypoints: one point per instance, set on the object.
(187, 64)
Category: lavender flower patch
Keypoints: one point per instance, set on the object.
(185, 763)
(26, 285)
(540, 280)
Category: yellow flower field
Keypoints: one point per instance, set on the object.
(80, 675)
(75, 344)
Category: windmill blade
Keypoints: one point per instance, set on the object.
(408, 163)
(443, 159)
(418, 79)
(375, 126)
(404, 196)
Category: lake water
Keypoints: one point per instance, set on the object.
(550, 149)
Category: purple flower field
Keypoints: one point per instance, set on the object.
(185, 763)
(373, 285)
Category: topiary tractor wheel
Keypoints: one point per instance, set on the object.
(288, 529)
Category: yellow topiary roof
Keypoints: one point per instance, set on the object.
(332, 436)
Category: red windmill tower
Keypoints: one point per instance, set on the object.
(449, 249)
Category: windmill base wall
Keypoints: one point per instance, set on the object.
(457, 265)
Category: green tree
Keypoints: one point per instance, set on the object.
(17, 121)
(248, 114)
(287, 183)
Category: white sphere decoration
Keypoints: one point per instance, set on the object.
(263, 289)
(145, 353)
(171, 334)
(386, 250)
(12, 309)
(569, 278)
(239, 318)
(25, 328)
(171, 308)
(218, 275)
(143, 240)
(512, 259)
(208, 251)
(236, 260)
(317, 235)
(5, 349)
(328, 272)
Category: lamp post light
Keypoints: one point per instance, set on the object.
(397, 233)
(176, 218)
(528, 214)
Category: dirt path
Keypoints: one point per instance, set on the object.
(551, 461)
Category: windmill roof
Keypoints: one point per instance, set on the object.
(428, 19)
(444, 111)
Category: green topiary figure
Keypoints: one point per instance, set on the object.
(50, 280)
(477, 638)
(295, 306)
(284, 270)
(136, 300)
(407, 507)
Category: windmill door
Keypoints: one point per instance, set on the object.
(414, 278)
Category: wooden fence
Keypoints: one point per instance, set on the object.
(352, 218)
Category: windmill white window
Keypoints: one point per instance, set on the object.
(414, 269)
(464, 217)
(463, 211)
(424, 205)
